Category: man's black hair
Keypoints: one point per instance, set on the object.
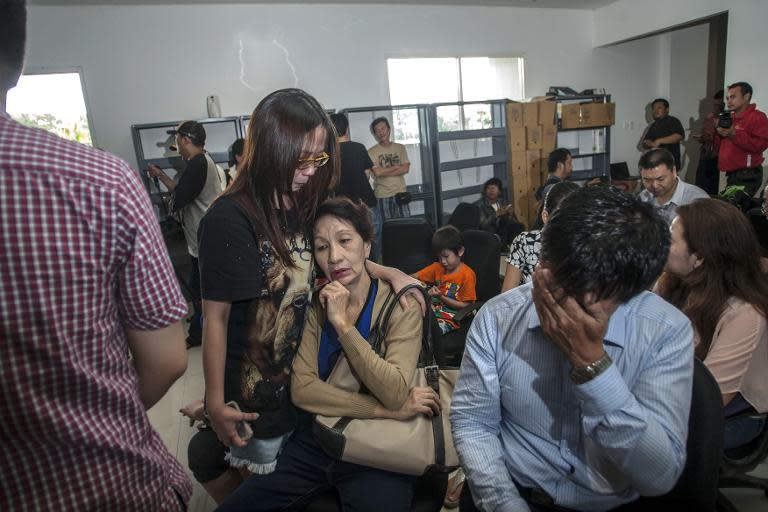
(655, 157)
(447, 238)
(493, 181)
(13, 38)
(379, 120)
(558, 156)
(236, 148)
(744, 86)
(341, 123)
(662, 101)
(603, 241)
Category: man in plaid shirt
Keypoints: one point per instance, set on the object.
(90, 332)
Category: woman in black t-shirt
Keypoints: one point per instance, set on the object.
(257, 276)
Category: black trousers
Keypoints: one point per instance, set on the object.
(304, 472)
(707, 175)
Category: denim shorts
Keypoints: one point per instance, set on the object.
(259, 456)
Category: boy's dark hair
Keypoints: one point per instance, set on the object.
(558, 156)
(13, 38)
(718, 95)
(744, 86)
(655, 157)
(662, 101)
(602, 241)
(341, 123)
(347, 210)
(380, 120)
(557, 193)
(447, 238)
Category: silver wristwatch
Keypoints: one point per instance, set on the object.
(582, 374)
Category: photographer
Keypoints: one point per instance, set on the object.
(741, 139)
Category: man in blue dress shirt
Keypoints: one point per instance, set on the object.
(575, 390)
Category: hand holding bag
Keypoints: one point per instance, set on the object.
(412, 446)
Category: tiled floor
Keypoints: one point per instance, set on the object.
(176, 432)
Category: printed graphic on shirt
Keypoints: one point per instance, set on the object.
(389, 160)
(274, 326)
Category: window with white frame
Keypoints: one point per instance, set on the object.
(54, 102)
(453, 79)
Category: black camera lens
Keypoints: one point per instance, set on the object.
(725, 120)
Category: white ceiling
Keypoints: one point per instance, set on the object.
(546, 4)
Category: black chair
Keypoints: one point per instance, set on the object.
(482, 253)
(428, 496)
(739, 461)
(406, 244)
(465, 216)
(696, 489)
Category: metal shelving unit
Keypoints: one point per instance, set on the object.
(590, 146)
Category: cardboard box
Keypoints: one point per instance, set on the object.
(533, 137)
(514, 115)
(520, 193)
(517, 138)
(587, 115)
(533, 168)
(570, 116)
(547, 110)
(603, 114)
(530, 114)
(518, 162)
(548, 139)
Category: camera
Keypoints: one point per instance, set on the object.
(724, 120)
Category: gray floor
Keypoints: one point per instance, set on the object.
(176, 432)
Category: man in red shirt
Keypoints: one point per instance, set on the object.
(90, 332)
(740, 147)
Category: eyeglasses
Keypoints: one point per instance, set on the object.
(318, 161)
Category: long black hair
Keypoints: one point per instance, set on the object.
(278, 130)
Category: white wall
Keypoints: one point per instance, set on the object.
(157, 63)
(747, 35)
(688, 89)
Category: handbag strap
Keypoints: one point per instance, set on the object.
(427, 355)
(427, 364)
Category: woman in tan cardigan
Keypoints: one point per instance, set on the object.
(338, 323)
(714, 274)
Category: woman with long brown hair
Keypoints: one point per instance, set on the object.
(257, 278)
(714, 274)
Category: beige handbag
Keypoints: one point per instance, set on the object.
(413, 446)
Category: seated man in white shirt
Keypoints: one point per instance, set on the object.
(663, 188)
(575, 391)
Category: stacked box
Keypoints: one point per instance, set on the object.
(517, 138)
(515, 115)
(531, 135)
(548, 139)
(587, 115)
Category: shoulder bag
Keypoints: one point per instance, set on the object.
(413, 446)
